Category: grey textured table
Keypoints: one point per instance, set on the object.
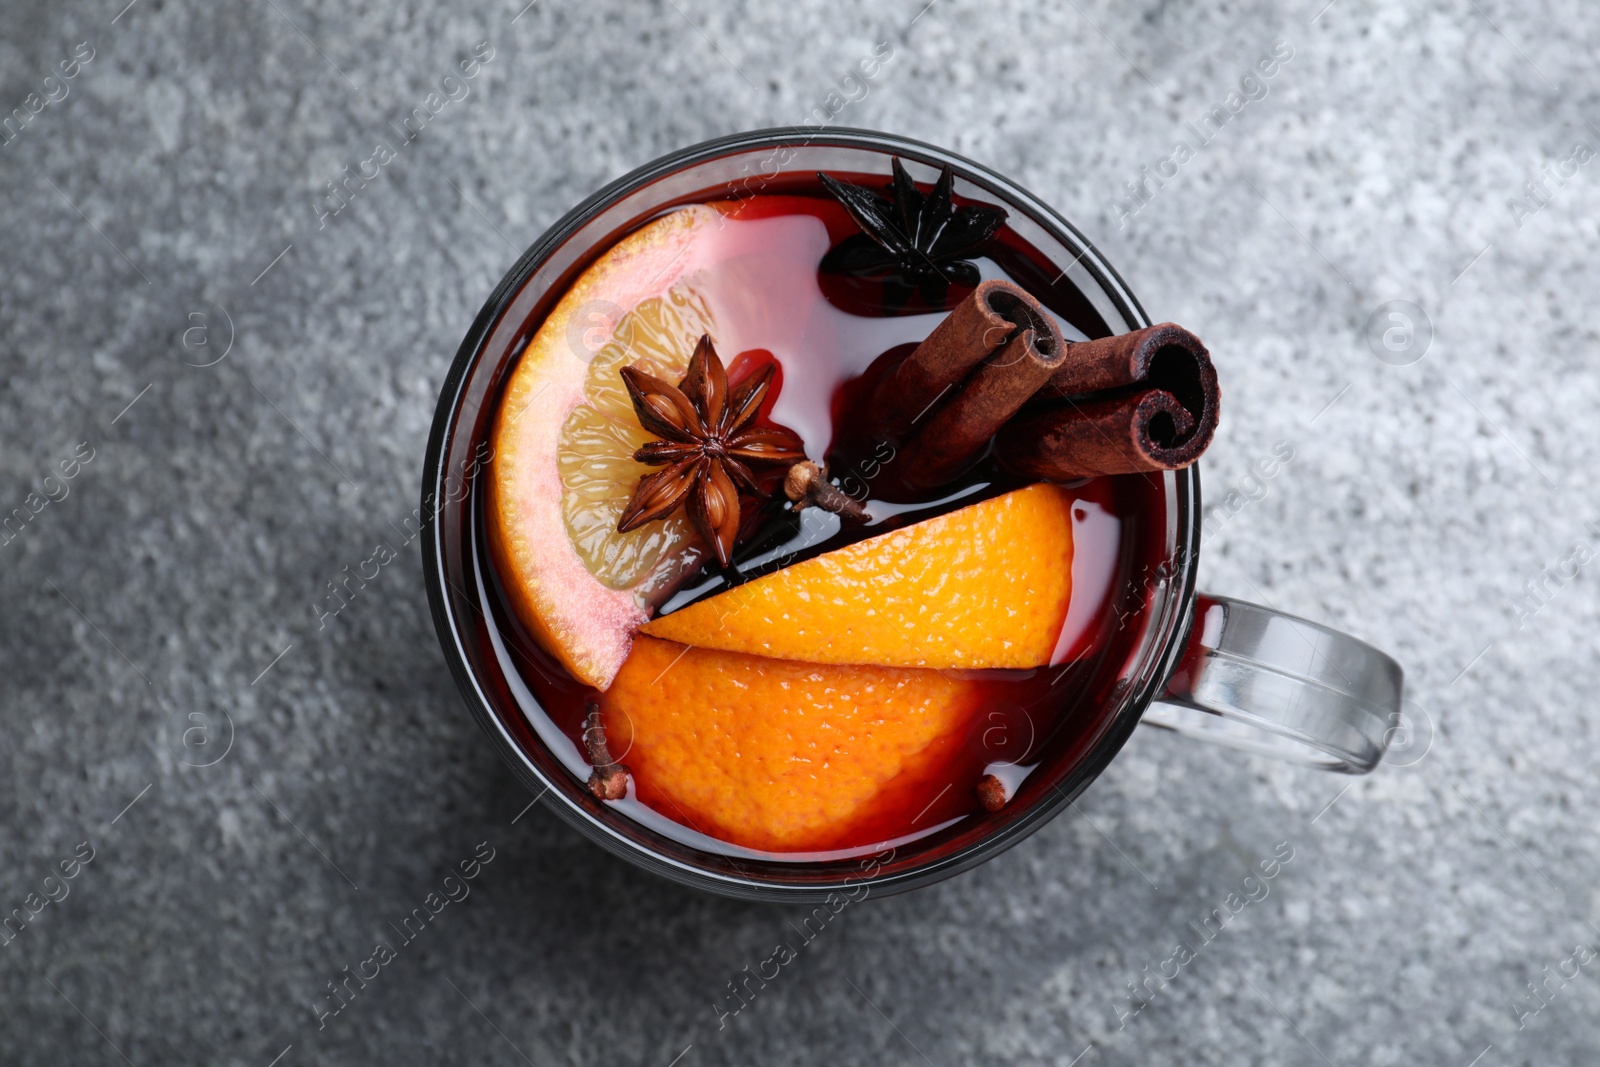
(161, 603)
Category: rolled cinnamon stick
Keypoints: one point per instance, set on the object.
(975, 371)
(990, 316)
(1140, 401)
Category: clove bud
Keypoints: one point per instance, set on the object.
(991, 793)
(609, 779)
(807, 485)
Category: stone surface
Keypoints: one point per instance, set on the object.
(165, 603)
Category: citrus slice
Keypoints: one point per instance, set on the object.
(564, 439)
(565, 433)
(783, 756)
(984, 586)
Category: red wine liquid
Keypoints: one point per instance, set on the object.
(831, 340)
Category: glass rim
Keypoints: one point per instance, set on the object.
(1169, 624)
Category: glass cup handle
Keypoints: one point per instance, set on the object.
(1269, 683)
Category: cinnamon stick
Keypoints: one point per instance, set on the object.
(974, 372)
(1140, 401)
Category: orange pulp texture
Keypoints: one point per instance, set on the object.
(798, 712)
(983, 586)
(783, 756)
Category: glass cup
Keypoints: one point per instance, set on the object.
(1205, 666)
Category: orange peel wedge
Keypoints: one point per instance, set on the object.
(987, 585)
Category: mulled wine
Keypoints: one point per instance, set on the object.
(740, 589)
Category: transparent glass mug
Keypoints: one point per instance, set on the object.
(1205, 666)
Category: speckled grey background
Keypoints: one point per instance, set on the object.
(163, 607)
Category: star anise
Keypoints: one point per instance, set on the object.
(707, 446)
(919, 241)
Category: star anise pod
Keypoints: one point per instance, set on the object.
(707, 446)
(920, 241)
